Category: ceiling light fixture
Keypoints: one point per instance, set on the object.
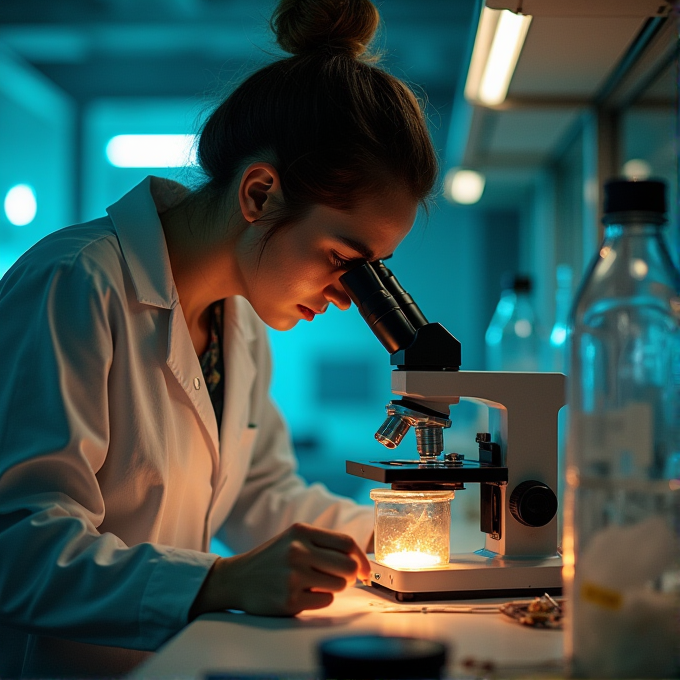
(637, 169)
(498, 43)
(464, 186)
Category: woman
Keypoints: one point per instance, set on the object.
(135, 422)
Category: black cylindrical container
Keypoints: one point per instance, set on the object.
(373, 657)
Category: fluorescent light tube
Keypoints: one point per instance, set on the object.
(151, 151)
(498, 43)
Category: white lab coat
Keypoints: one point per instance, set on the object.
(112, 476)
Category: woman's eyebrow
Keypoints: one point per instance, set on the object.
(360, 248)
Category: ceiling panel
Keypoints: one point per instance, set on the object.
(571, 57)
(530, 132)
(85, 45)
(663, 90)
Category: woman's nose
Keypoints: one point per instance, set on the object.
(335, 293)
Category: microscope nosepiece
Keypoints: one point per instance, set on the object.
(392, 431)
(429, 429)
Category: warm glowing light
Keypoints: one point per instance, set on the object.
(411, 559)
(464, 186)
(638, 269)
(637, 169)
(523, 328)
(674, 484)
(568, 556)
(607, 259)
(498, 43)
(21, 205)
(572, 476)
(412, 528)
(151, 151)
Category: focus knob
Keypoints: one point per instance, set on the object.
(533, 503)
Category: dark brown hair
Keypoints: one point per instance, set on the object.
(337, 128)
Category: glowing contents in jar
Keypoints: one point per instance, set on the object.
(411, 559)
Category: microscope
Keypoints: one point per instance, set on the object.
(516, 466)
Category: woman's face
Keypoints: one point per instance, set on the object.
(299, 272)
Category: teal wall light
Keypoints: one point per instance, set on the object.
(21, 205)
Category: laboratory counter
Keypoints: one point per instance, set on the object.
(481, 641)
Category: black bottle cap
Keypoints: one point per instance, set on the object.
(520, 283)
(368, 657)
(623, 195)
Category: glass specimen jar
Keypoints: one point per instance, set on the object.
(412, 528)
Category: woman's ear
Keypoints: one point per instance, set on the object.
(260, 184)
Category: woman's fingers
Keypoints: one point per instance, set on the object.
(322, 582)
(322, 560)
(364, 568)
(301, 569)
(310, 599)
(337, 553)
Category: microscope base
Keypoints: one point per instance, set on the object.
(472, 576)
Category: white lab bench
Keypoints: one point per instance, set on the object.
(235, 643)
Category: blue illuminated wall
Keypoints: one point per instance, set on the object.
(36, 148)
(332, 376)
(103, 183)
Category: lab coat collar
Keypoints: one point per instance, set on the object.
(140, 233)
(141, 237)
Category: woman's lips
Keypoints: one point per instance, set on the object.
(307, 313)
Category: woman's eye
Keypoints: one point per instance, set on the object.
(339, 262)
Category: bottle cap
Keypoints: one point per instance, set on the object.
(367, 657)
(518, 282)
(622, 195)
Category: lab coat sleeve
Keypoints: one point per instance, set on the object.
(58, 575)
(274, 496)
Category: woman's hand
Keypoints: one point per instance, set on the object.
(296, 570)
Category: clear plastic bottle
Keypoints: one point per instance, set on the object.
(622, 521)
(512, 342)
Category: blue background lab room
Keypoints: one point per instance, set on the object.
(97, 94)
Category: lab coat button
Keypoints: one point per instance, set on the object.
(197, 384)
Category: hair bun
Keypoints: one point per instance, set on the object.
(340, 26)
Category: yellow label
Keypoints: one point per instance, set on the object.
(603, 597)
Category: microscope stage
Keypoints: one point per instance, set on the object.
(471, 576)
(415, 472)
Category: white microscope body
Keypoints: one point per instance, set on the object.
(517, 558)
(517, 466)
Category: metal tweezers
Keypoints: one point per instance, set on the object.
(389, 608)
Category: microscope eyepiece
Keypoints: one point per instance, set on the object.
(378, 307)
(397, 322)
(404, 300)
